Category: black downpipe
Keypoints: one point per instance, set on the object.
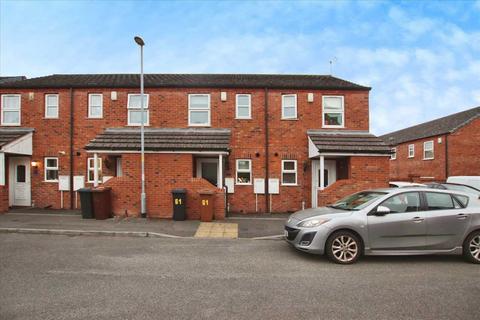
(71, 149)
(446, 157)
(267, 203)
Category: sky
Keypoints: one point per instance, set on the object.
(421, 58)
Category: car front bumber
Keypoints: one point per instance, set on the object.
(310, 240)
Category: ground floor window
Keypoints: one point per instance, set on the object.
(51, 169)
(91, 169)
(244, 171)
(289, 172)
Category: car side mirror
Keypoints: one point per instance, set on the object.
(382, 210)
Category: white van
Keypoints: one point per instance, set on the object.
(472, 181)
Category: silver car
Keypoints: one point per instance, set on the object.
(397, 221)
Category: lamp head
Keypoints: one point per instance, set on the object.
(139, 41)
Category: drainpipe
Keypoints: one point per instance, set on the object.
(446, 157)
(267, 203)
(71, 148)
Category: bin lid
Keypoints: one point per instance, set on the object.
(180, 190)
(101, 189)
(84, 190)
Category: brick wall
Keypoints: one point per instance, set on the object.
(464, 150)
(417, 169)
(165, 173)
(364, 173)
(3, 199)
(169, 108)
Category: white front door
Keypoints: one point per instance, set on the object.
(19, 182)
(207, 168)
(330, 176)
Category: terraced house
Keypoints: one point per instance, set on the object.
(260, 143)
(437, 149)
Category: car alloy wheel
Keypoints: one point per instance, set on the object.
(343, 247)
(471, 247)
(474, 247)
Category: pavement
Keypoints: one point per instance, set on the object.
(65, 222)
(71, 277)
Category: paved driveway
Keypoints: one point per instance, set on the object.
(59, 277)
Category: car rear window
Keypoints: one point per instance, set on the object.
(439, 201)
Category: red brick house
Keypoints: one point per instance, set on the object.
(261, 143)
(435, 150)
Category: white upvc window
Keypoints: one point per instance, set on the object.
(244, 106)
(244, 171)
(91, 169)
(411, 150)
(95, 105)
(428, 153)
(134, 107)
(393, 154)
(51, 169)
(51, 106)
(289, 172)
(199, 110)
(289, 106)
(11, 110)
(333, 113)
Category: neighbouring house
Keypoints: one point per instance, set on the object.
(435, 150)
(260, 143)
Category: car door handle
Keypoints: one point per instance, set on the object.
(417, 219)
(462, 216)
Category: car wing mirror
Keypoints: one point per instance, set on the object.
(382, 210)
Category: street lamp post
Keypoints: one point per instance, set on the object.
(143, 197)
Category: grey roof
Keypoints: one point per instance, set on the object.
(8, 135)
(280, 81)
(11, 79)
(347, 141)
(162, 139)
(432, 128)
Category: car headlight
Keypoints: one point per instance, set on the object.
(312, 223)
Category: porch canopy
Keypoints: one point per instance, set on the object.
(14, 141)
(205, 141)
(341, 143)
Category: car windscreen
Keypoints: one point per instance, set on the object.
(357, 201)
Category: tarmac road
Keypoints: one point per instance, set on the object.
(60, 277)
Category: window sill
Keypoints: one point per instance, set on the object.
(51, 118)
(236, 118)
(199, 125)
(10, 125)
(94, 118)
(289, 119)
(138, 125)
(426, 159)
(289, 185)
(243, 184)
(393, 159)
(333, 127)
(50, 181)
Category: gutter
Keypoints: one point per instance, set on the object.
(71, 148)
(267, 203)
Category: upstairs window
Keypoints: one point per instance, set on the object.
(393, 154)
(10, 112)
(51, 169)
(134, 110)
(333, 112)
(428, 150)
(289, 106)
(244, 106)
(244, 171)
(51, 106)
(95, 105)
(91, 169)
(289, 172)
(199, 110)
(411, 150)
